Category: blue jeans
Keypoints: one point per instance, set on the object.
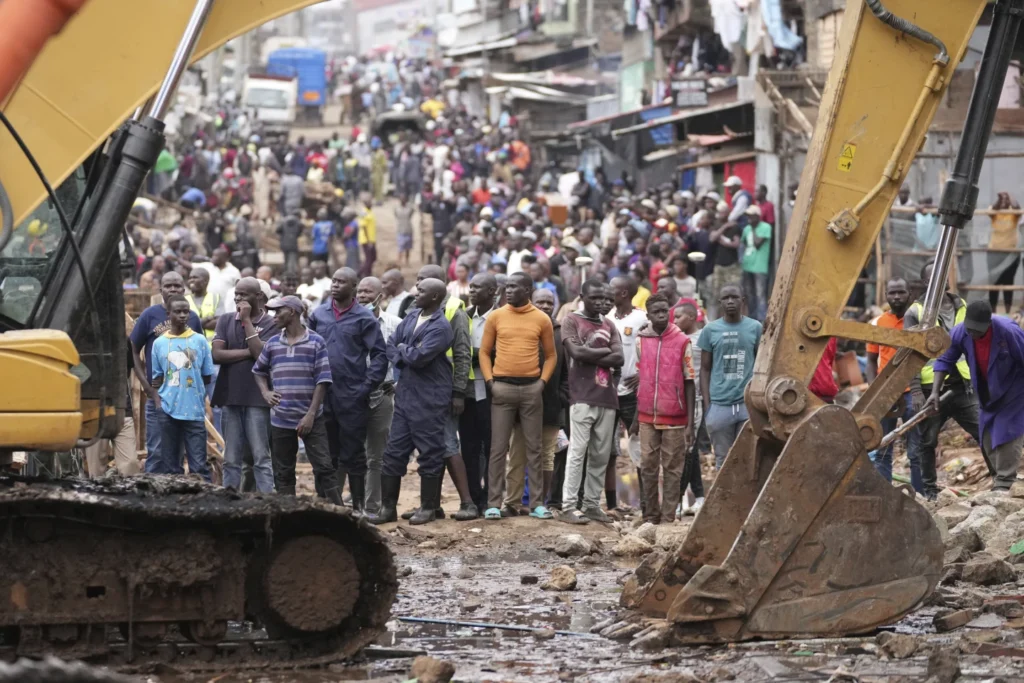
(173, 434)
(247, 426)
(152, 433)
(883, 457)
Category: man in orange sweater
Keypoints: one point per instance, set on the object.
(514, 334)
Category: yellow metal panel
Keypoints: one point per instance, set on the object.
(877, 78)
(50, 344)
(36, 382)
(40, 431)
(108, 60)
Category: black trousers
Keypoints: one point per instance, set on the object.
(691, 468)
(962, 406)
(346, 435)
(284, 446)
(475, 435)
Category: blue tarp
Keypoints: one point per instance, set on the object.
(662, 135)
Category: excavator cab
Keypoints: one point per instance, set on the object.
(799, 535)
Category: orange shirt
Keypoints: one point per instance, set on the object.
(885, 353)
(515, 335)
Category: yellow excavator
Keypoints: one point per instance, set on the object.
(799, 535)
(168, 562)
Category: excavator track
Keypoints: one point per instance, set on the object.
(133, 572)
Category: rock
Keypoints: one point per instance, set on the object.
(955, 513)
(983, 520)
(648, 532)
(676, 676)
(952, 620)
(406, 571)
(957, 555)
(1001, 501)
(623, 630)
(528, 579)
(943, 528)
(946, 497)
(722, 674)
(544, 634)
(572, 545)
(669, 536)
(427, 545)
(1011, 609)
(429, 670)
(632, 546)
(986, 621)
(1009, 531)
(471, 604)
(897, 645)
(986, 570)
(563, 578)
(952, 573)
(465, 573)
(964, 538)
(1017, 490)
(943, 666)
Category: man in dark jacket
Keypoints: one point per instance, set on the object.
(355, 348)
(422, 404)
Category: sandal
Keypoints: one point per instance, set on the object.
(541, 512)
(573, 517)
(492, 514)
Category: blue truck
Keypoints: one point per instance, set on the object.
(309, 67)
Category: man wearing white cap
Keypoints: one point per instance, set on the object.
(740, 198)
(756, 241)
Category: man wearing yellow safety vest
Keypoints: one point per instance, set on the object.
(461, 355)
(962, 406)
(209, 307)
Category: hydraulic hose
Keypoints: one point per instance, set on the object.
(905, 26)
(6, 218)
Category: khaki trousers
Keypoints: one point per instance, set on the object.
(662, 451)
(125, 458)
(509, 401)
(516, 468)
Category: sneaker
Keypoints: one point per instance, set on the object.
(697, 505)
(573, 517)
(598, 515)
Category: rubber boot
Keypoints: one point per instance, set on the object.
(286, 491)
(390, 487)
(333, 495)
(430, 500)
(357, 485)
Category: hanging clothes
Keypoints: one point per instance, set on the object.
(729, 21)
(782, 37)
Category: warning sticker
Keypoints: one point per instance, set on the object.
(846, 158)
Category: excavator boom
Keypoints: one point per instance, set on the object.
(800, 535)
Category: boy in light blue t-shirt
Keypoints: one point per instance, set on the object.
(182, 367)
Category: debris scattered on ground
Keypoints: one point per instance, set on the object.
(572, 545)
(429, 670)
(648, 532)
(465, 573)
(544, 634)
(529, 579)
(986, 570)
(954, 514)
(952, 620)
(563, 578)
(632, 546)
(897, 645)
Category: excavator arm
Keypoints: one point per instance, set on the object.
(109, 75)
(800, 535)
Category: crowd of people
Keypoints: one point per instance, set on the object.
(562, 324)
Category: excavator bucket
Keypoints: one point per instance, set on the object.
(806, 541)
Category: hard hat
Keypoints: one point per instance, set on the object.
(733, 181)
(753, 210)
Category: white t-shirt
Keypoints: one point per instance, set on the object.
(686, 287)
(222, 280)
(629, 330)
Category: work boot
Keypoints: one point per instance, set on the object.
(357, 485)
(333, 495)
(286, 490)
(390, 487)
(438, 513)
(467, 511)
(430, 500)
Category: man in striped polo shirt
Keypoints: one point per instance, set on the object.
(300, 373)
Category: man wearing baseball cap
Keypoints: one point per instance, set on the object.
(739, 199)
(994, 348)
(299, 370)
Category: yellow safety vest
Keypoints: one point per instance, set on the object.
(928, 371)
(209, 308)
(450, 309)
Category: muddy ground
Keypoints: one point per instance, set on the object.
(493, 572)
